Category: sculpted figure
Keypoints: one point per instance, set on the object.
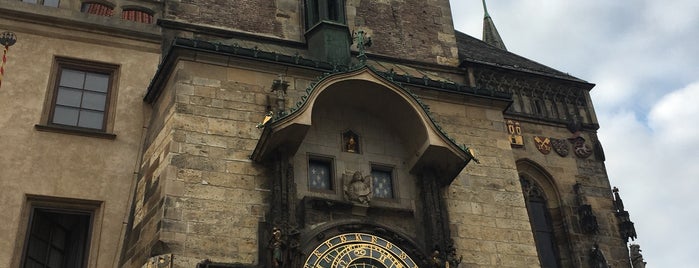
(636, 257)
(358, 189)
(597, 259)
(275, 245)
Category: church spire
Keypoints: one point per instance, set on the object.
(490, 33)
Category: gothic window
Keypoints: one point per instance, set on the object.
(538, 107)
(320, 174)
(97, 9)
(324, 10)
(48, 3)
(540, 221)
(81, 95)
(382, 182)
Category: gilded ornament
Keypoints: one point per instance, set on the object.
(543, 144)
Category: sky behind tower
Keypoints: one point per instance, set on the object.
(644, 59)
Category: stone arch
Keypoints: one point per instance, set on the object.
(427, 145)
(533, 171)
(542, 183)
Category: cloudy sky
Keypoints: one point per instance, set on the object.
(643, 56)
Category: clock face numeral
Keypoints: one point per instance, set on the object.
(358, 250)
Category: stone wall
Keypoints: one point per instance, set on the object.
(595, 190)
(407, 29)
(487, 213)
(212, 196)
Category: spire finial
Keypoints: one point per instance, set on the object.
(490, 33)
(485, 9)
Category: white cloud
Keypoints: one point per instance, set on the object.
(674, 119)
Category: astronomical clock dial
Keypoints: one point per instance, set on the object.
(358, 250)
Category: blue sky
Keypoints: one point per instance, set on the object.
(643, 57)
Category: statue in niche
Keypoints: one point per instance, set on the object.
(636, 257)
(597, 259)
(357, 187)
(276, 247)
(436, 260)
(350, 142)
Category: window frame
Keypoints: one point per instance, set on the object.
(537, 195)
(91, 208)
(392, 171)
(62, 63)
(333, 181)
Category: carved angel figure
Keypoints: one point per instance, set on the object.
(358, 189)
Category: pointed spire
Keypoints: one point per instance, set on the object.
(490, 33)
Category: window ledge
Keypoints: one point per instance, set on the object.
(75, 131)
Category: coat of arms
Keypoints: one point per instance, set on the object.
(580, 149)
(560, 147)
(515, 131)
(543, 144)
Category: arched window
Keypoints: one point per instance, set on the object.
(97, 9)
(540, 220)
(137, 15)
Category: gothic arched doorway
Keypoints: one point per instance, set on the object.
(358, 250)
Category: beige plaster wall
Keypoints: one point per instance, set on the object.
(64, 165)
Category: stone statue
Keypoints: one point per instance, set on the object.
(435, 260)
(276, 245)
(351, 145)
(636, 257)
(597, 259)
(358, 189)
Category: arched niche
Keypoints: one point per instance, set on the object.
(530, 170)
(544, 206)
(365, 91)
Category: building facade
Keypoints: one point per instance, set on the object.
(287, 133)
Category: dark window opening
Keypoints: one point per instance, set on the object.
(57, 239)
(333, 10)
(538, 107)
(541, 224)
(324, 10)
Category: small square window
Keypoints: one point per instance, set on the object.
(320, 174)
(81, 96)
(382, 182)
